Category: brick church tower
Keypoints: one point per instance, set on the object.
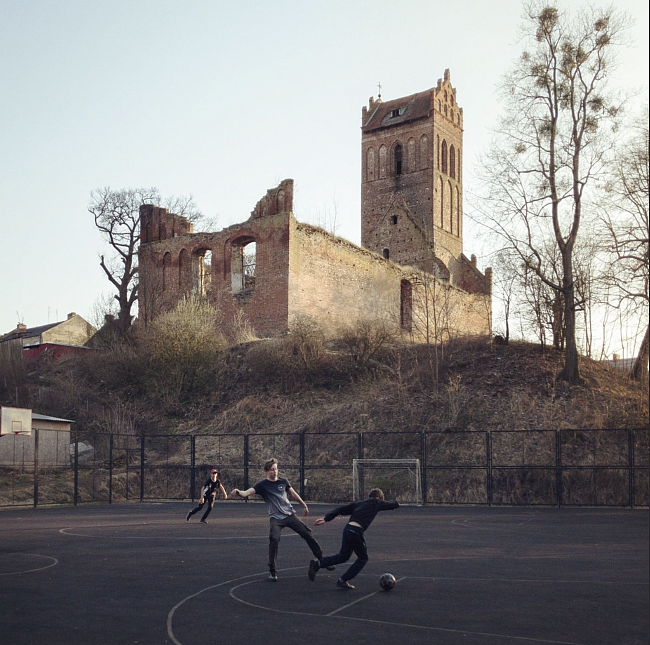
(412, 185)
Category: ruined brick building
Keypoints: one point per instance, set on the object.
(410, 270)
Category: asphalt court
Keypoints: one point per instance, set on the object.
(139, 573)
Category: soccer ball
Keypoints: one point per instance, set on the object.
(387, 581)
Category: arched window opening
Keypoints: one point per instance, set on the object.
(457, 212)
(370, 164)
(452, 162)
(410, 154)
(398, 159)
(243, 265)
(201, 272)
(184, 271)
(406, 306)
(442, 204)
(393, 219)
(451, 210)
(382, 162)
(444, 156)
(168, 280)
(424, 151)
(386, 254)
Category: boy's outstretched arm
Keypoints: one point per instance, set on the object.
(243, 493)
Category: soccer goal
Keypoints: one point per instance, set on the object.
(400, 479)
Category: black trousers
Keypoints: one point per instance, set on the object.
(297, 525)
(353, 541)
(210, 501)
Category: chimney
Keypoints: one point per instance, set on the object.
(21, 327)
(72, 314)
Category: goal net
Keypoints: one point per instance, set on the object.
(400, 479)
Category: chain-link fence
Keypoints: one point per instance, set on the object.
(494, 468)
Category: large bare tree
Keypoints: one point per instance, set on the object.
(550, 144)
(117, 217)
(625, 218)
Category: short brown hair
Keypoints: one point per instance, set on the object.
(376, 493)
(269, 464)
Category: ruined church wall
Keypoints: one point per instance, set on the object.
(337, 283)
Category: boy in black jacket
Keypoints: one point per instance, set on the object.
(361, 515)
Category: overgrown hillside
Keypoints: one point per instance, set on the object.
(360, 381)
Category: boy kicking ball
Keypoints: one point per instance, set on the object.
(361, 516)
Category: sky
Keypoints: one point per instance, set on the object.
(221, 100)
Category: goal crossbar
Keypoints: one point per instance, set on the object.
(399, 478)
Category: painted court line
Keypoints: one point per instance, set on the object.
(34, 555)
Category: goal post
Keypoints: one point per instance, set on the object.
(400, 479)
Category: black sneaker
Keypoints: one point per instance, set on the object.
(314, 566)
(273, 576)
(330, 568)
(344, 584)
(189, 514)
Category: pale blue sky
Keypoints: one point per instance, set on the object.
(221, 100)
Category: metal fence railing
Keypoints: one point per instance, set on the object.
(494, 468)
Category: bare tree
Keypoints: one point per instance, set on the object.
(117, 217)
(625, 218)
(550, 144)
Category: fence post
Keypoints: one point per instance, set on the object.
(36, 437)
(192, 466)
(141, 469)
(630, 456)
(302, 465)
(110, 468)
(423, 466)
(246, 486)
(558, 467)
(488, 477)
(76, 471)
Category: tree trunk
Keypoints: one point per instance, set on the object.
(640, 368)
(570, 373)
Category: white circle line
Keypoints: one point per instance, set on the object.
(35, 555)
(171, 635)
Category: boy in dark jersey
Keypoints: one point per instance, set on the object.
(361, 515)
(275, 490)
(209, 494)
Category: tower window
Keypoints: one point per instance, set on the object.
(398, 159)
(393, 219)
(386, 254)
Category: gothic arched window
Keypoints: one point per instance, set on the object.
(424, 151)
(452, 162)
(410, 156)
(397, 155)
(370, 164)
(444, 156)
(382, 161)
